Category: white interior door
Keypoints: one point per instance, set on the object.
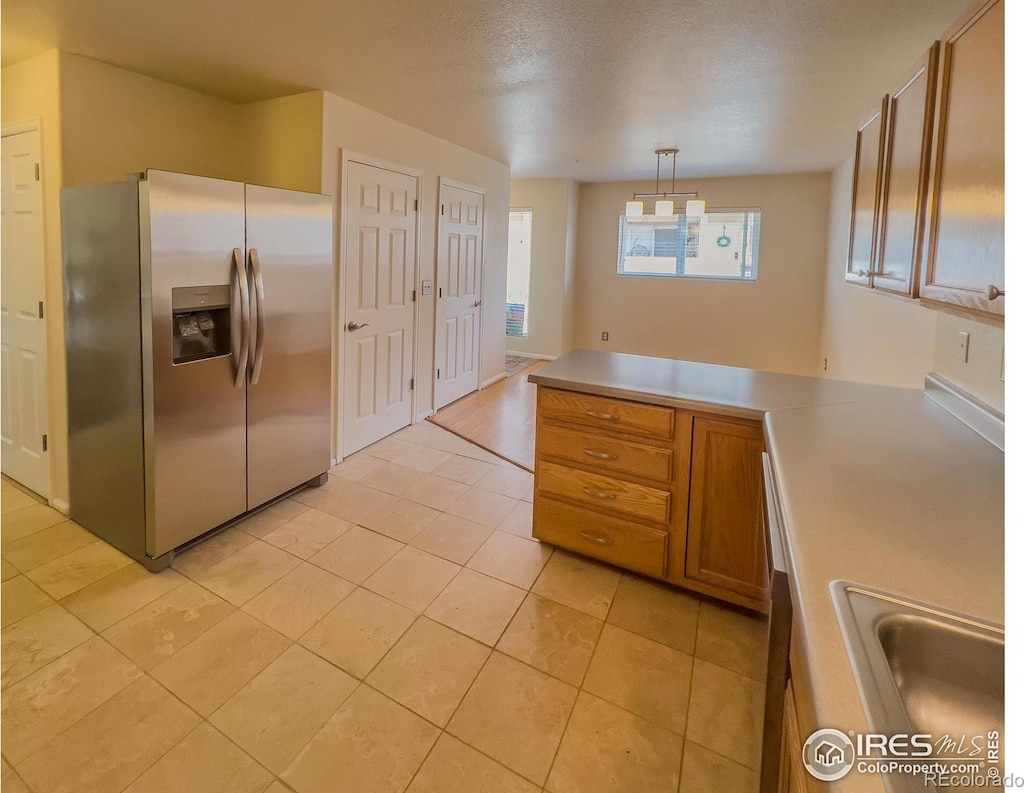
(379, 266)
(24, 417)
(459, 251)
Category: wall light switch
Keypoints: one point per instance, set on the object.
(426, 288)
(965, 344)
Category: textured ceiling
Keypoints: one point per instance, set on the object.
(584, 89)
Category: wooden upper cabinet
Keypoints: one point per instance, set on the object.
(904, 193)
(965, 264)
(725, 542)
(867, 183)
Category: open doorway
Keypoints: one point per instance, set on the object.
(517, 300)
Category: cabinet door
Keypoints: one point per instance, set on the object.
(905, 181)
(965, 263)
(725, 543)
(867, 183)
(792, 775)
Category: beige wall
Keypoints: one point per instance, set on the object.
(570, 281)
(116, 122)
(771, 324)
(284, 141)
(554, 203)
(31, 90)
(352, 128)
(875, 338)
(868, 336)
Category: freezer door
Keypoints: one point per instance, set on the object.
(289, 239)
(193, 239)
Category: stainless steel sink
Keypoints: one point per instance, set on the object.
(921, 670)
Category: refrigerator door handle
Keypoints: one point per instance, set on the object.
(257, 277)
(240, 320)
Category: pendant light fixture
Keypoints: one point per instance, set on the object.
(665, 206)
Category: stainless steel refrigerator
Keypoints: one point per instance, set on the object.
(198, 324)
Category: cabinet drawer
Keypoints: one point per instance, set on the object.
(614, 415)
(603, 492)
(612, 454)
(601, 537)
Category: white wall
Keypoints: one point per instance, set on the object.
(350, 127)
(869, 336)
(771, 324)
(550, 316)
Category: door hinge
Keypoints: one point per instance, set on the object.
(412, 384)
(45, 443)
(415, 205)
(442, 210)
(37, 172)
(438, 374)
(40, 309)
(413, 295)
(439, 293)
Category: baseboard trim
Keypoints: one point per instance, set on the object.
(425, 415)
(60, 505)
(533, 355)
(496, 379)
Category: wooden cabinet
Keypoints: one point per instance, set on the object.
(792, 774)
(665, 492)
(965, 262)
(725, 539)
(890, 185)
(927, 206)
(867, 185)
(904, 195)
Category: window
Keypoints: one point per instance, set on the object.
(720, 244)
(517, 300)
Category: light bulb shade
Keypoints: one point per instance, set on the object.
(634, 209)
(665, 208)
(695, 207)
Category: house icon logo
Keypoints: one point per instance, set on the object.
(828, 755)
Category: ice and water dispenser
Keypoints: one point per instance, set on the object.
(201, 327)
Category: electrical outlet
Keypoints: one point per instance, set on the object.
(604, 335)
(826, 364)
(965, 344)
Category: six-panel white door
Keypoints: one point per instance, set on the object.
(23, 394)
(459, 251)
(379, 263)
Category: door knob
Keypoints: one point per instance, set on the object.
(993, 292)
(356, 326)
(475, 304)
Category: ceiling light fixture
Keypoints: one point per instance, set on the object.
(665, 205)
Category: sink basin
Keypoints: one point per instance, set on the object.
(922, 670)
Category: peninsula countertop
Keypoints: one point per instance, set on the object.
(880, 486)
(729, 390)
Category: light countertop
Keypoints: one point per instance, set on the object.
(877, 485)
(895, 494)
(730, 390)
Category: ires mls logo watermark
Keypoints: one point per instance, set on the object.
(829, 755)
(944, 761)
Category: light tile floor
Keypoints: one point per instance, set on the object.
(394, 630)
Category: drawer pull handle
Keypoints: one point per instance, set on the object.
(597, 539)
(602, 416)
(604, 495)
(600, 455)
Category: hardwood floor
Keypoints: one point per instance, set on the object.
(501, 418)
